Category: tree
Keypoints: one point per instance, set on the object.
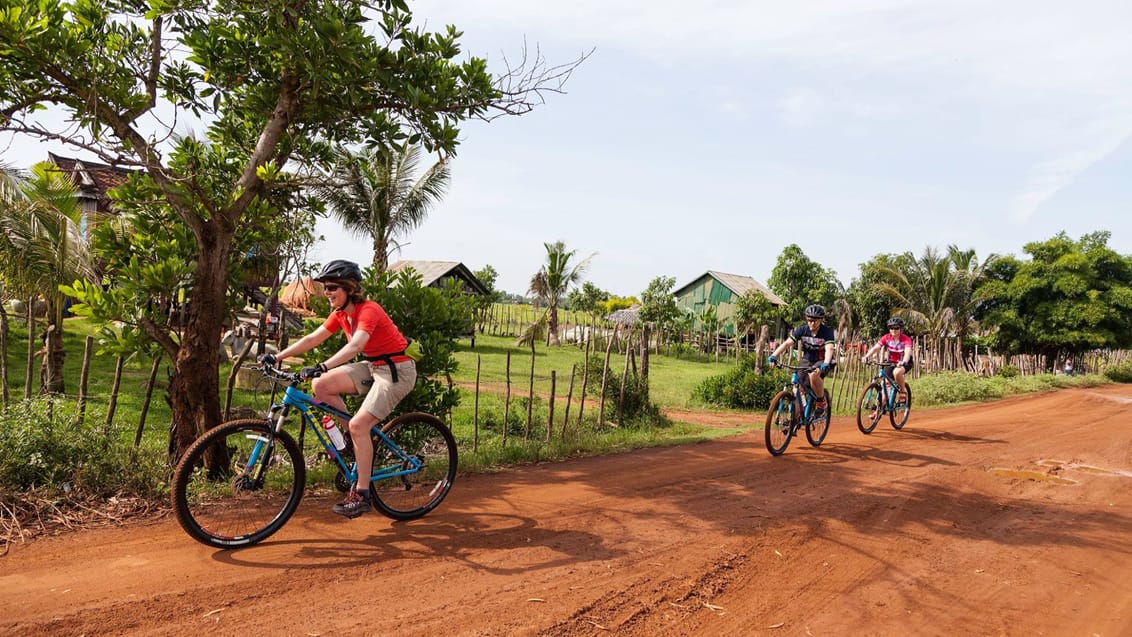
(1070, 297)
(553, 279)
(268, 80)
(658, 309)
(373, 193)
(754, 308)
(800, 282)
(43, 249)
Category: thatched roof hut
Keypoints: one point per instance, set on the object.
(297, 295)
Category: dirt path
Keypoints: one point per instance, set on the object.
(1012, 518)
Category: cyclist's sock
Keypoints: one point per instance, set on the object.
(365, 494)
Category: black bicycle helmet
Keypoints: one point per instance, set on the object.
(340, 269)
(815, 311)
(895, 321)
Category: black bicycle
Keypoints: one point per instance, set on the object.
(242, 480)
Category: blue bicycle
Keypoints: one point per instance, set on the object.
(242, 480)
(795, 407)
(880, 397)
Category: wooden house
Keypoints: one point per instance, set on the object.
(437, 274)
(721, 291)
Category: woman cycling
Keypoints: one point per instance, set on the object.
(899, 347)
(817, 341)
(385, 377)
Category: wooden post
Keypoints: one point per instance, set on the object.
(476, 410)
(148, 397)
(550, 417)
(117, 384)
(569, 397)
(605, 378)
(624, 379)
(506, 397)
(84, 376)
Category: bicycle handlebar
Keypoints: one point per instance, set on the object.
(275, 372)
(796, 368)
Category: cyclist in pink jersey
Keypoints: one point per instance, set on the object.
(385, 377)
(899, 348)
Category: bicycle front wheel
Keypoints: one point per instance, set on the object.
(818, 426)
(869, 408)
(428, 475)
(238, 484)
(901, 410)
(780, 421)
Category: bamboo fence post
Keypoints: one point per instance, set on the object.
(585, 378)
(569, 398)
(530, 394)
(550, 416)
(4, 355)
(148, 397)
(624, 378)
(115, 386)
(507, 398)
(232, 376)
(31, 347)
(605, 378)
(84, 376)
(476, 411)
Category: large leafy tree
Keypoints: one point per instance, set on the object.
(554, 279)
(1070, 297)
(265, 80)
(800, 281)
(376, 193)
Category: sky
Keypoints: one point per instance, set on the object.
(710, 136)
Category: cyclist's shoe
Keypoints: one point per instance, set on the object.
(901, 397)
(819, 408)
(354, 505)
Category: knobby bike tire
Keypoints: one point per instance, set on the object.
(410, 496)
(869, 408)
(780, 421)
(900, 412)
(817, 428)
(217, 504)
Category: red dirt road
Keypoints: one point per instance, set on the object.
(1010, 518)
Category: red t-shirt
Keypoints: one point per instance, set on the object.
(384, 337)
(896, 346)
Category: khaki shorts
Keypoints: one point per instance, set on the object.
(376, 382)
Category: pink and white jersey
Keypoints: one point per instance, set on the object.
(896, 346)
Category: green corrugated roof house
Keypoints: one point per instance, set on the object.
(720, 290)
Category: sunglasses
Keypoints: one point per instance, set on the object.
(330, 287)
(896, 327)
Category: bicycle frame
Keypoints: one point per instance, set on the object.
(800, 380)
(888, 386)
(307, 405)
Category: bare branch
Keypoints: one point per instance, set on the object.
(526, 85)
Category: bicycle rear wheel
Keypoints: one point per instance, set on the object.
(869, 408)
(409, 496)
(780, 421)
(818, 426)
(900, 411)
(238, 484)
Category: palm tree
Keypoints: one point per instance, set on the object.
(554, 279)
(42, 249)
(373, 193)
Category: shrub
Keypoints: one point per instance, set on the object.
(742, 387)
(42, 448)
(1121, 373)
(1007, 371)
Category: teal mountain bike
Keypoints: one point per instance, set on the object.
(795, 408)
(242, 480)
(880, 397)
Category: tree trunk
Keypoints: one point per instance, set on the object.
(646, 335)
(54, 355)
(31, 348)
(4, 356)
(194, 389)
(552, 325)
